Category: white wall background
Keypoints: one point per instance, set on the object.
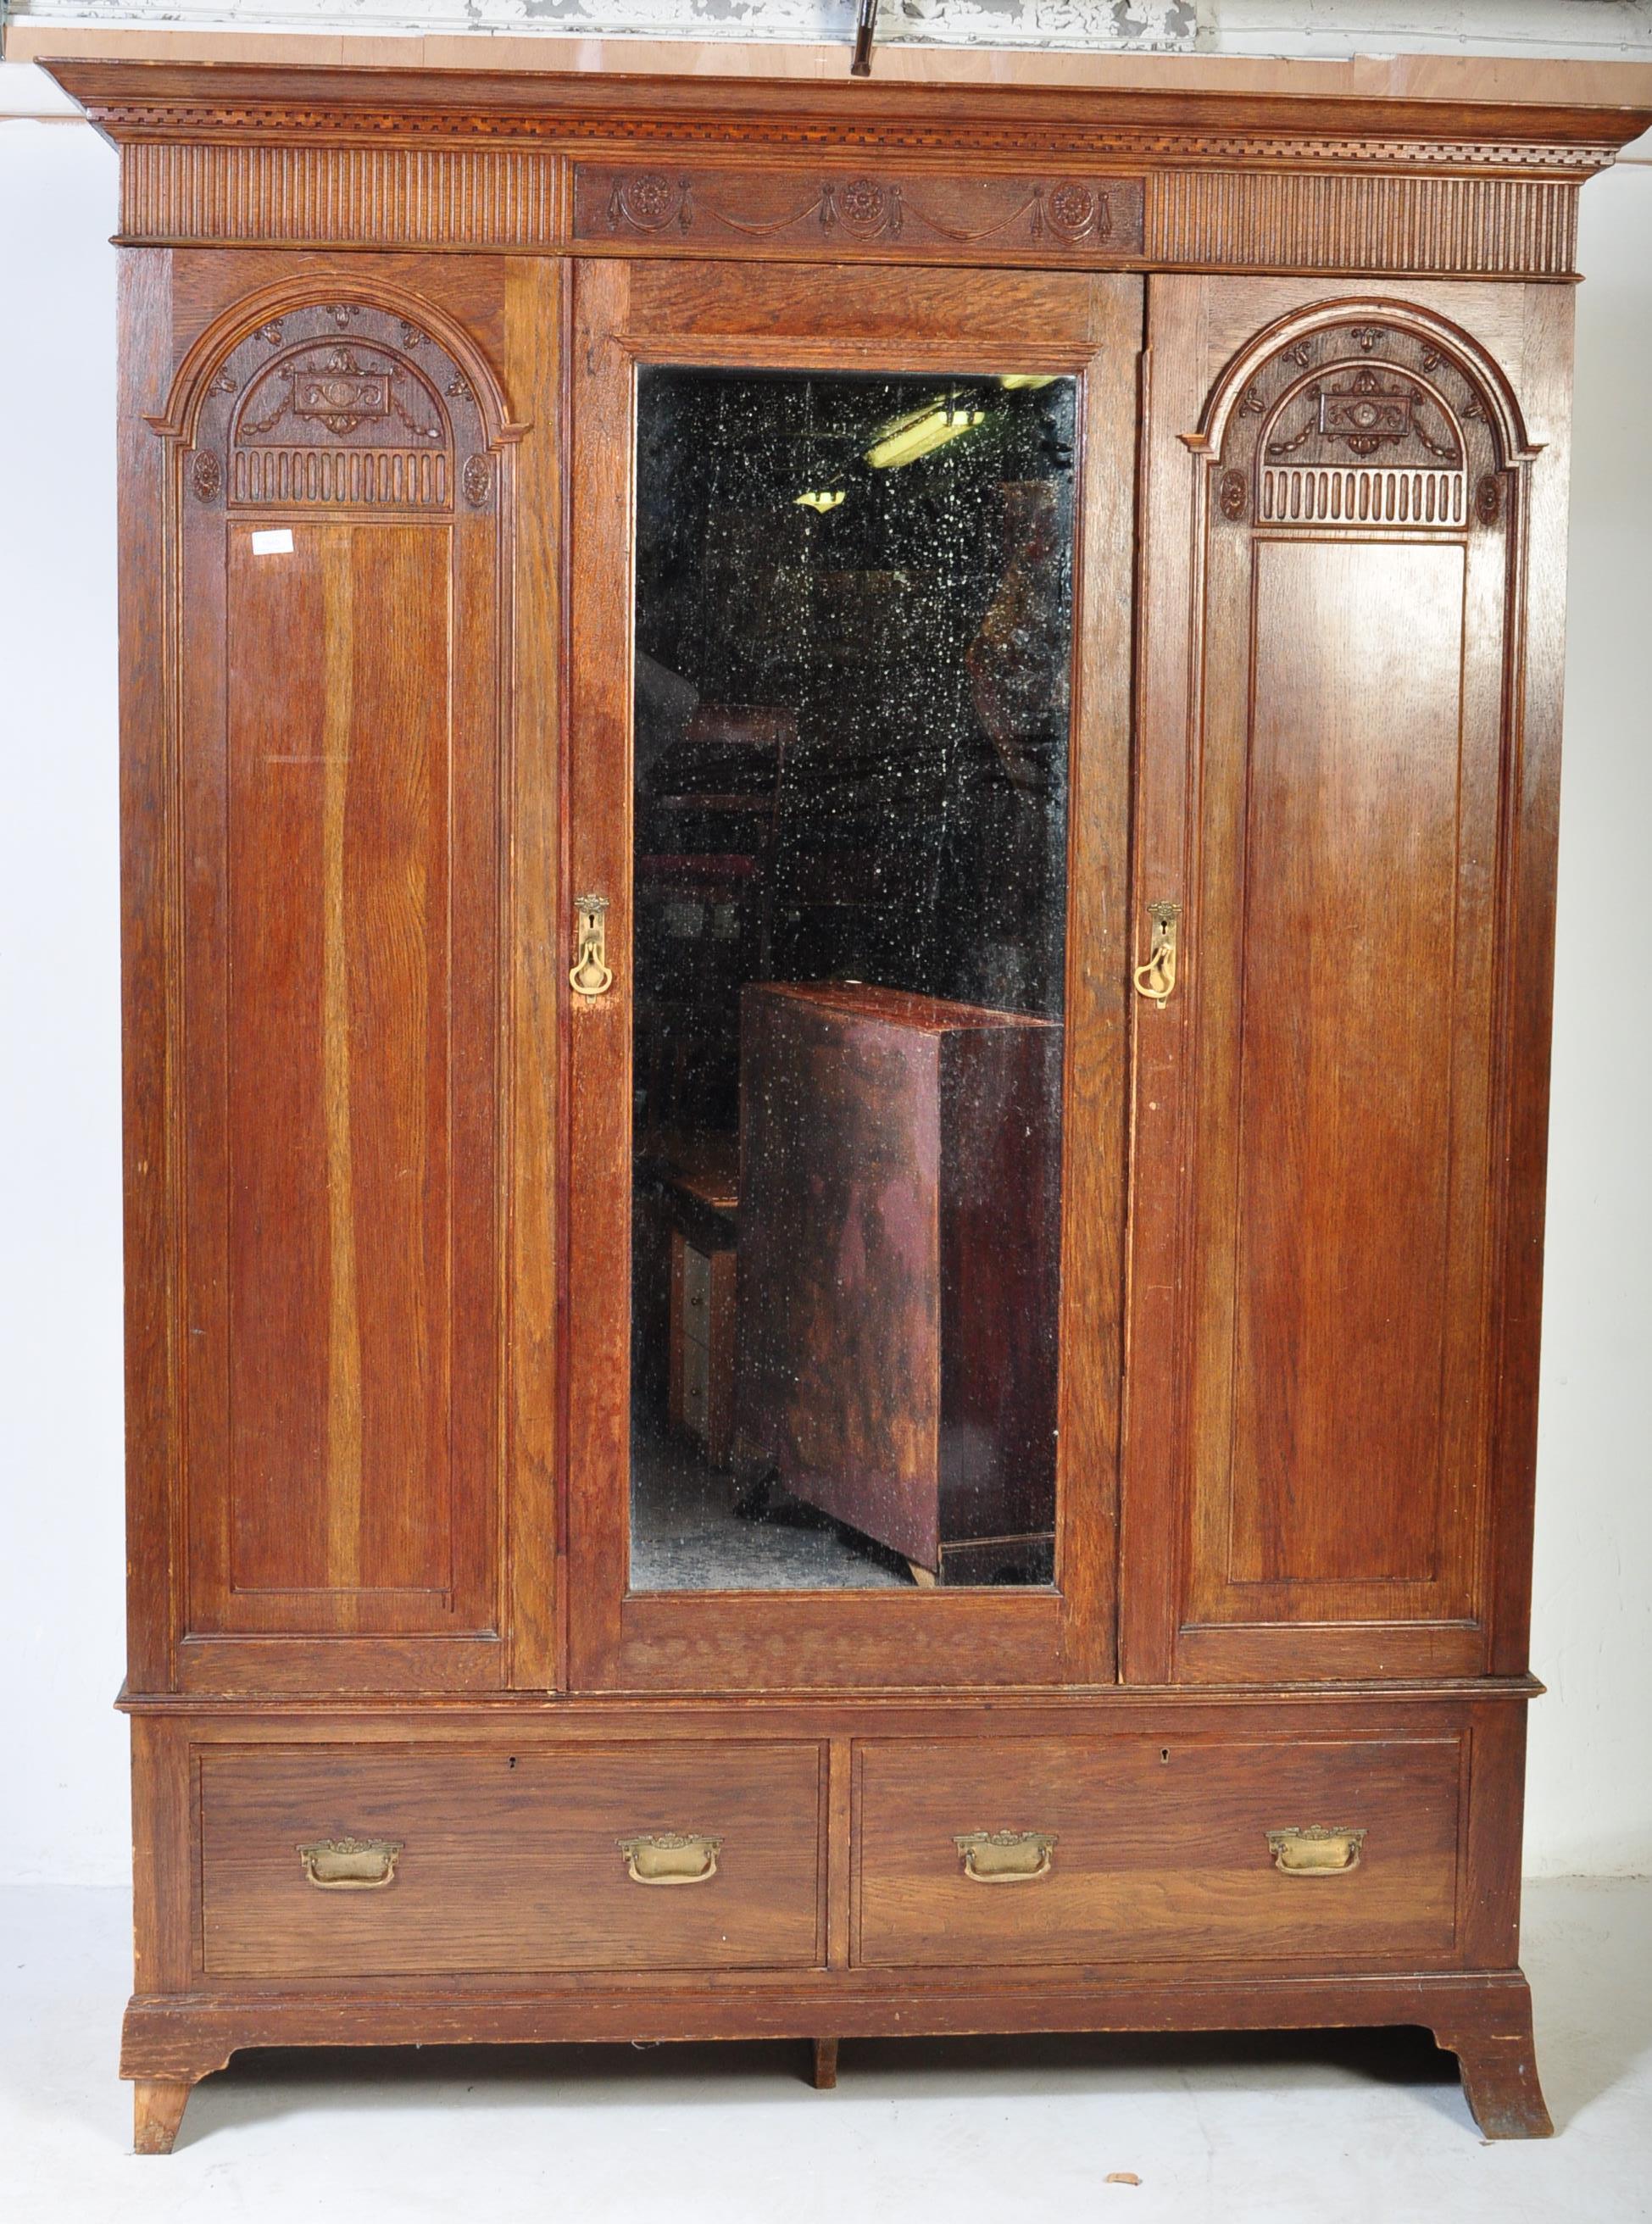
(63, 1756)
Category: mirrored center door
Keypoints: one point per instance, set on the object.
(848, 775)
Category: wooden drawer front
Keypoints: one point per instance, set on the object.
(1156, 1858)
(508, 1863)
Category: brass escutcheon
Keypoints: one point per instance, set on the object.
(591, 976)
(1157, 978)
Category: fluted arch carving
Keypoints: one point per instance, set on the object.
(1365, 414)
(359, 404)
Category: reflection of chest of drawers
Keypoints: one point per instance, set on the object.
(700, 1391)
(900, 1176)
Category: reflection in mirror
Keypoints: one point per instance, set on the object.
(853, 627)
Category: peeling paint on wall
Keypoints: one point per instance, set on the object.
(1598, 28)
(1144, 25)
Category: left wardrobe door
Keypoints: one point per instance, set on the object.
(327, 874)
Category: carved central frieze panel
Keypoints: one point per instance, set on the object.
(1023, 217)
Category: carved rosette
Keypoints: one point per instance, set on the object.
(650, 202)
(1360, 424)
(865, 209)
(1070, 212)
(341, 405)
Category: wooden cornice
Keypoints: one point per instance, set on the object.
(1030, 173)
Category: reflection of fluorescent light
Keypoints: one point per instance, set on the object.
(1017, 382)
(915, 435)
(820, 503)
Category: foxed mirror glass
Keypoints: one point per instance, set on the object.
(853, 625)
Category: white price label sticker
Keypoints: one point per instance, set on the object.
(278, 541)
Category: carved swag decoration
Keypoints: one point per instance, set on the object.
(341, 404)
(1060, 213)
(1361, 425)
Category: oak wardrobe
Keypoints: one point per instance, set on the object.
(838, 860)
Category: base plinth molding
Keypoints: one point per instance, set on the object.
(1482, 2017)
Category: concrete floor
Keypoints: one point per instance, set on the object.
(1330, 2129)
(687, 1536)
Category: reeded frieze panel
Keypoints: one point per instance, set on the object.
(366, 196)
(1285, 220)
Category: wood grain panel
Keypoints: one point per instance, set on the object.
(1344, 1092)
(337, 1052)
(1341, 841)
(539, 298)
(152, 1205)
(1527, 987)
(1160, 1851)
(511, 1860)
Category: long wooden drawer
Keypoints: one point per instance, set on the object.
(1130, 1850)
(509, 1862)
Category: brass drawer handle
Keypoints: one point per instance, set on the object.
(1005, 1856)
(351, 1864)
(671, 1857)
(1316, 1851)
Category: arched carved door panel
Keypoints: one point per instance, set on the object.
(338, 492)
(1352, 480)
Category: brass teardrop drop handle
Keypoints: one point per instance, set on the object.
(591, 975)
(1157, 978)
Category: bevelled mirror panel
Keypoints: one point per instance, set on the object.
(853, 627)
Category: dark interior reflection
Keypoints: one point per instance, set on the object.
(850, 741)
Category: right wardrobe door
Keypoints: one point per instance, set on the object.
(1353, 530)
